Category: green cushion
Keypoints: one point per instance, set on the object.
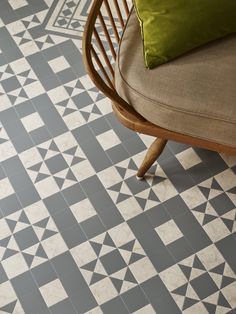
(171, 28)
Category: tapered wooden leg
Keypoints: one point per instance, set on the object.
(153, 153)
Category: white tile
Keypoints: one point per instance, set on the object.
(103, 290)
(4, 229)
(108, 139)
(17, 4)
(169, 232)
(58, 94)
(83, 170)
(173, 277)
(121, 234)
(226, 179)
(47, 187)
(193, 197)
(30, 157)
(32, 122)
(143, 270)
(59, 64)
(6, 188)
(54, 246)
(83, 254)
(188, 158)
(216, 230)
(53, 292)
(14, 265)
(83, 210)
(7, 294)
(129, 208)
(210, 257)
(65, 141)
(34, 89)
(36, 212)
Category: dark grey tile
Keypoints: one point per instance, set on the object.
(106, 209)
(24, 284)
(175, 206)
(10, 84)
(66, 76)
(20, 181)
(24, 109)
(92, 227)
(28, 196)
(199, 173)
(42, 102)
(99, 126)
(59, 263)
(114, 306)
(63, 307)
(12, 165)
(26, 238)
(73, 236)
(92, 185)
(134, 145)
(113, 262)
(64, 219)
(136, 186)
(151, 243)
(44, 273)
(56, 164)
(2, 173)
(159, 296)
(204, 286)
(40, 135)
(36, 60)
(83, 134)
(222, 204)
(227, 246)
(176, 147)
(49, 82)
(22, 143)
(12, 124)
(51, 53)
(180, 249)
(33, 302)
(55, 203)
(10, 205)
(134, 299)
(117, 153)
(193, 231)
(80, 294)
(74, 194)
(157, 215)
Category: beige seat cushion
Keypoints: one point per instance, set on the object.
(194, 94)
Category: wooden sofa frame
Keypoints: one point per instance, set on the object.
(100, 67)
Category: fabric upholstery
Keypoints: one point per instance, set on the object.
(194, 94)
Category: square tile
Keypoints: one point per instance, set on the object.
(53, 292)
(14, 265)
(108, 139)
(113, 262)
(103, 291)
(17, 4)
(59, 64)
(32, 122)
(188, 158)
(6, 188)
(204, 286)
(169, 232)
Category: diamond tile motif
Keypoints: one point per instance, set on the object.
(78, 232)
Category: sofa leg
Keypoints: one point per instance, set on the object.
(153, 153)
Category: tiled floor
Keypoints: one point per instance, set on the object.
(78, 232)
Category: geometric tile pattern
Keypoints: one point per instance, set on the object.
(78, 232)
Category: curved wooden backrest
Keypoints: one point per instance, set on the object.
(101, 39)
(103, 30)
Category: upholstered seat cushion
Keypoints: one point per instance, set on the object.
(194, 94)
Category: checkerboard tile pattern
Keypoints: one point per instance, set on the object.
(78, 232)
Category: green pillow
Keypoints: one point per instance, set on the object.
(172, 27)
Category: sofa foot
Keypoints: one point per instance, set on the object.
(153, 153)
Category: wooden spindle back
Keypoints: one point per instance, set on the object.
(103, 30)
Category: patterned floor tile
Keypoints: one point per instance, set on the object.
(78, 232)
